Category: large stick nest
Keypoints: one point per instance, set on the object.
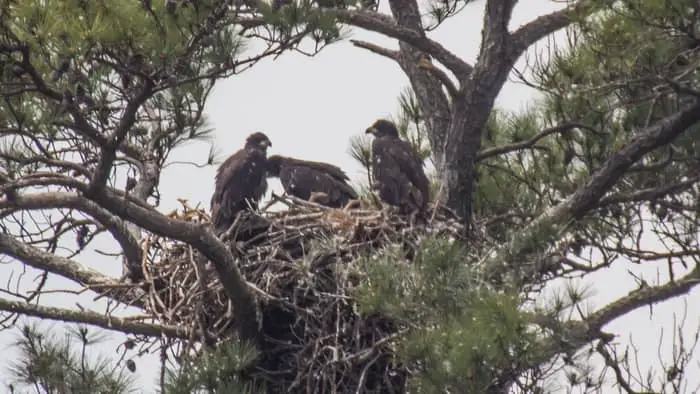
(302, 264)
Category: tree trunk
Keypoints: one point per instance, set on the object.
(433, 103)
(470, 114)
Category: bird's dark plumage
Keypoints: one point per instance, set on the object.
(302, 178)
(240, 182)
(397, 169)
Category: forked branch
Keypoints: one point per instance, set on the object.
(116, 226)
(384, 24)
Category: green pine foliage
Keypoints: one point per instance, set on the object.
(462, 352)
(631, 66)
(616, 78)
(215, 371)
(87, 57)
(303, 17)
(458, 330)
(437, 276)
(49, 363)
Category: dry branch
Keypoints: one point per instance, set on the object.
(51, 200)
(92, 318)
(42, 260)
(389, 53)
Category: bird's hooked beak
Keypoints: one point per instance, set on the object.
(265, 143)
(371, 130)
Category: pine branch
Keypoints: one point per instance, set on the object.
(643, 296)
(426, 64)
(385, 25)
(93, 318)
(66, 268)
(109, 150)
(116, 227)
(545, 25)
(499, 150)
(199, 236)
(649, 194)
(585, 198)
(41, 260)
(573, 335)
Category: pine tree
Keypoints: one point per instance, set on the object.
(49, 364)
(563, 189)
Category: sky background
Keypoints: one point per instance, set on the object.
(310, 107)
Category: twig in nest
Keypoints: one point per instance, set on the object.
(299, 269)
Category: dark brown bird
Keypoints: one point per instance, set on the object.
(313, 181)
(240, 182)
(397, 169)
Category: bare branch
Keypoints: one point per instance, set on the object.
(649, 194)
(576, 334)
(42, 260)
(391, 54)
(426, 64)
(93, 318)
(385, 25)
(498, 150)
(109, 151)
(645, 295)
(545, 25)
(51, 200)
(613, 363)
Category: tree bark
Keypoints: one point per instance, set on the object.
(433, 103)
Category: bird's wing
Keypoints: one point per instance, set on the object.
(330, 169)
(410, 164)
(332, 178)
(304, 179)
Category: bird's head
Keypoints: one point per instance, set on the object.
(383, 127)
(274, 165)
(258, 140)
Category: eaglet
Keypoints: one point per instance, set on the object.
(397, 169)
(240, 182)
(313, 181)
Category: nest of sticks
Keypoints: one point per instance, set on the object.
(301, 264)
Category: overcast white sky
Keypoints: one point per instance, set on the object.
(310, 107)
